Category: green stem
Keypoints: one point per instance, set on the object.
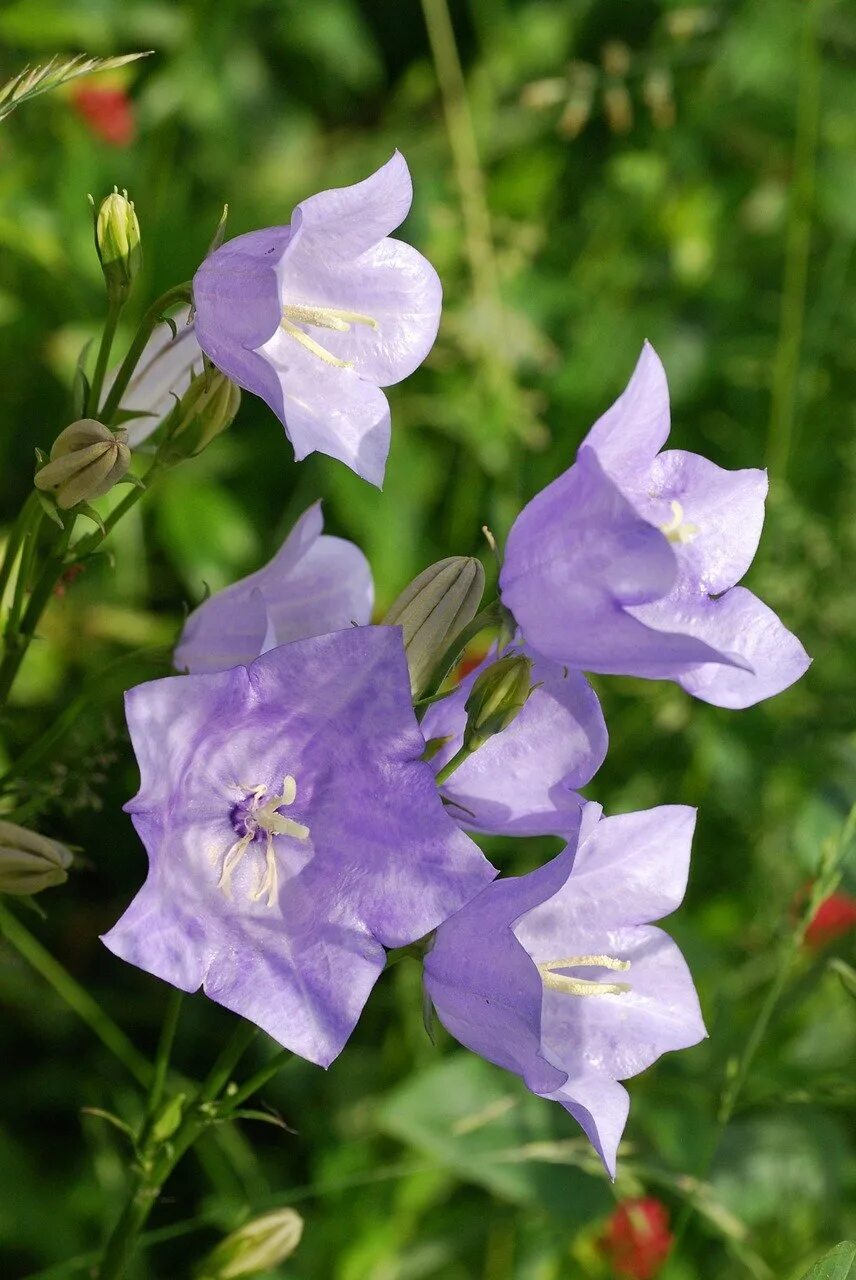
(462, 754)
(86, 546)
(13, 545)
(797, 249)
(77, 999)
(157, 1161)
(167, 1036)
(27, 544)
(39, 597)
(114, 310)
(259, 1079)
(180, 293)
(490, 616)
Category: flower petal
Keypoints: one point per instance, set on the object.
(600, 1107)
(314, 584)
(631, 433)
(523, 781)
(328, 409)
(341, 223)
(740, 624)
(163, 373)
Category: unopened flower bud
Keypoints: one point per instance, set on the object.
(433, 610)
(86, 461)
(207, 408)
(498, 695)
(30, 862)
(259, 1246)
(117, 239)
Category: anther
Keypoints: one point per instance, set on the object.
(563, 982)
(677, 529)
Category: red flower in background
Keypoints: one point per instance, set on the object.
(637, 1238)
(835, 917)
(107, 111)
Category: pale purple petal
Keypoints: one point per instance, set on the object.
(600, 1107)
(368, 855)
(313, 585)
(340, 224)
(576, 556)
(524, 780)
(742, 625)
(633, 430)
(163, 374)
(329, 410)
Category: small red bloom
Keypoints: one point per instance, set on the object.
(637, 1238)
(107, 111)
(835, 917)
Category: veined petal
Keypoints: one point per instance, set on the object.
(600, 1107)
(633, 430)
(163, 373)
(771, 657)
(391, 284)
(341, 223)
(328, 409)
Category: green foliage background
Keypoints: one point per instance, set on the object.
(726, 236)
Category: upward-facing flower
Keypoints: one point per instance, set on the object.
(316, 316)
(313, 585)
(559, 977)
(293, 832)
(627, 563)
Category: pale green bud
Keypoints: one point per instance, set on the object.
(206, 409)
(86, 461)
(497, 697)
(117, 239)
(30, 862)
(259, 1246)
(433, 610)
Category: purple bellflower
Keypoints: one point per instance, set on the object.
(627, 563)
(163, 374)
(316, 316)
(524, 780)
(293, 832)
(559, 977)
(313, 585)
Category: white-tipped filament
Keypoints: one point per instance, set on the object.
(263, 815)
(678, 529)
(557, 981)
(295, 314)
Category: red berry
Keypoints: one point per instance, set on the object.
(637, 1238)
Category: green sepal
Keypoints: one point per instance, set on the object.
(49, 507)
(219, 232)
(167, 1119)
(80, 386)
(84, 509)
(100, 1114)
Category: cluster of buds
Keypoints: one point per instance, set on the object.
(29, 862)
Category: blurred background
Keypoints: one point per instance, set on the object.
(600, 173)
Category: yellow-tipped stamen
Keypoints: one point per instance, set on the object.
(569, 986)
(312, 346)
(677, 529)
(264, 817)
(326, 317)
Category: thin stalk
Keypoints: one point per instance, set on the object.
(259, 1079)
(29, 536)
(114, 310)
(462, 754)
(797, 248)
(180, 293)
(13, 545)
(39, 597)
(93, 541)
(164, 1050)
(74, 995)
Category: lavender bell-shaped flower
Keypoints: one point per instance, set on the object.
(627, 563)
(316, 316)
(524, 780)
(314, 584)
(559, 977)
(293, 832)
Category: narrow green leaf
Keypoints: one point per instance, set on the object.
(838, 1264)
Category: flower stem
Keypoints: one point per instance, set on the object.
(159, 1158)
(39, 597)
(74, 995)
(167, 1036)
(114, 310)
(13, 545)
(462, 754)
(258, 1080)
(86, 546)
(180, 293)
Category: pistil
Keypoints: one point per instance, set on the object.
(260, 815)
(556, 981)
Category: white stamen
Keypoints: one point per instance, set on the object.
(677, 529)
(312, 346)
(264, 817)
(326, 317)
(581, 986)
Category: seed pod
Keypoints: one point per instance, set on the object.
(117, 240)
(206, 409)
(497, 697)
(86, 461)
(30, 862)
(433, 610)
(258, 1246)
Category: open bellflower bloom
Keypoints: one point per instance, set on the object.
(316, 316)
(314, 584)
(163, 374)
(627, 563)
(293, 832)
(559, 976)
(524, 780)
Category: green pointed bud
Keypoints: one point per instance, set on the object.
(86, 461)
(433, 610)
(117, 240)
(206, 409)
(261, 1245)
(497, 697)
(30, 862)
